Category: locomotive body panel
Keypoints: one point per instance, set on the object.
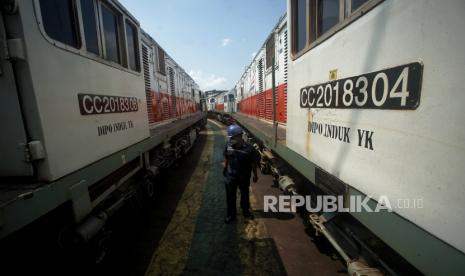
(254, 90)
(402, 154)
(12, 146)
(80, 90)
(171, 92)
(74, 111)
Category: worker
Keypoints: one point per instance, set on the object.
(241, 159)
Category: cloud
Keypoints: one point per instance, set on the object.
(226, 42)
(207, 81)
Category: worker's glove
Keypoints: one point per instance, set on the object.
(255, 179)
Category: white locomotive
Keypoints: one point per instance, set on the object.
(373, 108)
(254, 89)
(221, 105)
(87, 100)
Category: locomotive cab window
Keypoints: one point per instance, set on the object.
(132, 46)
(328, 15)
(111, 34)
(313, 21)
(299, 17)
(355, 4)
(89, 22)
(59, 21)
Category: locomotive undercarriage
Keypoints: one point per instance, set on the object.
(136, 182)
(362, 252)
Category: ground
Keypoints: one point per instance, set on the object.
(197, 242)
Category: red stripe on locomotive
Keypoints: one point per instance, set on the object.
(261, 104)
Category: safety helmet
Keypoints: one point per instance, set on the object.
(234, 130)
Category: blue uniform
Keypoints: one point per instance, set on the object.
(237, 173)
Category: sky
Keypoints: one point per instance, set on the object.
(213, 40)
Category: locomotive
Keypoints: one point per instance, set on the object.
(254, 89)
(222, 105)
(88, 102)
(367, 101)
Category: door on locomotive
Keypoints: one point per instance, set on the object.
(14, 139)
(231, 103)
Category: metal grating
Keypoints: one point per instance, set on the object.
(166, 111)
(269, 105)
(286, 57)
(261, 104)
(172, 91)
(161, 61)
(147, 83)
(260, 75)
(145, 61)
